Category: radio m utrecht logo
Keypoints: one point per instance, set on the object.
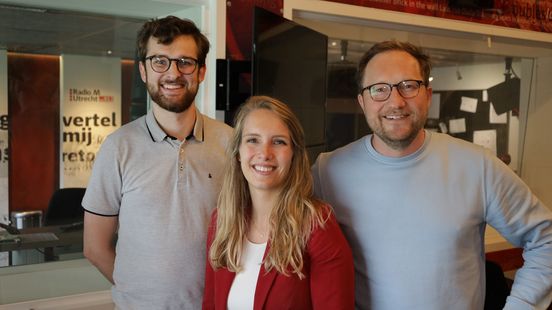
(84, 95)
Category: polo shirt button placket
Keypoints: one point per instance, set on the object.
(181, 158)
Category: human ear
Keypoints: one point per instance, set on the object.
(143, 73)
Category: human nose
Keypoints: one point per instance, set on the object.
(395, 97)
(265, 151)
(173, 67)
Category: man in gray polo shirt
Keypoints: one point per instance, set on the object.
(156, 180)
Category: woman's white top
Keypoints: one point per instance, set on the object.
(242, 291)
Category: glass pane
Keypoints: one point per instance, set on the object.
(476, 97)
(69, 79)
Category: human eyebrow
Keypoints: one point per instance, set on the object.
(286, 139)
(248, 136)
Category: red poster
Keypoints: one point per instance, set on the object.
(533, 15)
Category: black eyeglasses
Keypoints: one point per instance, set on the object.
(382, 91)
(160, 64)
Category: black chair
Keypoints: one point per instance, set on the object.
(65, 207)
(65, 210)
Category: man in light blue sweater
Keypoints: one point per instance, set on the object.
(414, 204)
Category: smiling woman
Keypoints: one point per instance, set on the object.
(271, 243)
(265, 152)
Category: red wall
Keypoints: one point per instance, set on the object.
(33, 108)
(239, 20)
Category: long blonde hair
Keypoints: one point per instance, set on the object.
(292, 219)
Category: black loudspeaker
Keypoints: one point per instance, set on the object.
(233, 83)
(222, 85)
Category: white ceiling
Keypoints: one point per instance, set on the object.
(127, 8)
(86, 27)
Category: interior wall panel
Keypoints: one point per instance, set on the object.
(33, 108)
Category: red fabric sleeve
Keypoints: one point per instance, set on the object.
(331, 267)
(209, 290)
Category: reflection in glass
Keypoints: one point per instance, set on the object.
(476, 97)
(37, 80)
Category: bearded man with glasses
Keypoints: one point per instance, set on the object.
(156, 180)
(414, 203)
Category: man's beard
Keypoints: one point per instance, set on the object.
(172, 105)
(398, 144)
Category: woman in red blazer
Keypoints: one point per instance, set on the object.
(271, 245)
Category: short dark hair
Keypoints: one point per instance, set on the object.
(165, 30)
(385, 46)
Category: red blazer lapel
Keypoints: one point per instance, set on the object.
(264, 283)
(223, 282)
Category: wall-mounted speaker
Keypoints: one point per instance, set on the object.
(233, 83)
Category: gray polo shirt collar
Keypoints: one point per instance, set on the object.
(159, 135)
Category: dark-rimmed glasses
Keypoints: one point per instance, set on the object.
(382, 91)
(160, 64)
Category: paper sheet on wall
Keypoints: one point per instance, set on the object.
(484, 96)
(468, 104)
(457, 125)
(443, 127)
(485, 138)
(495, 118)
(435, 107)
